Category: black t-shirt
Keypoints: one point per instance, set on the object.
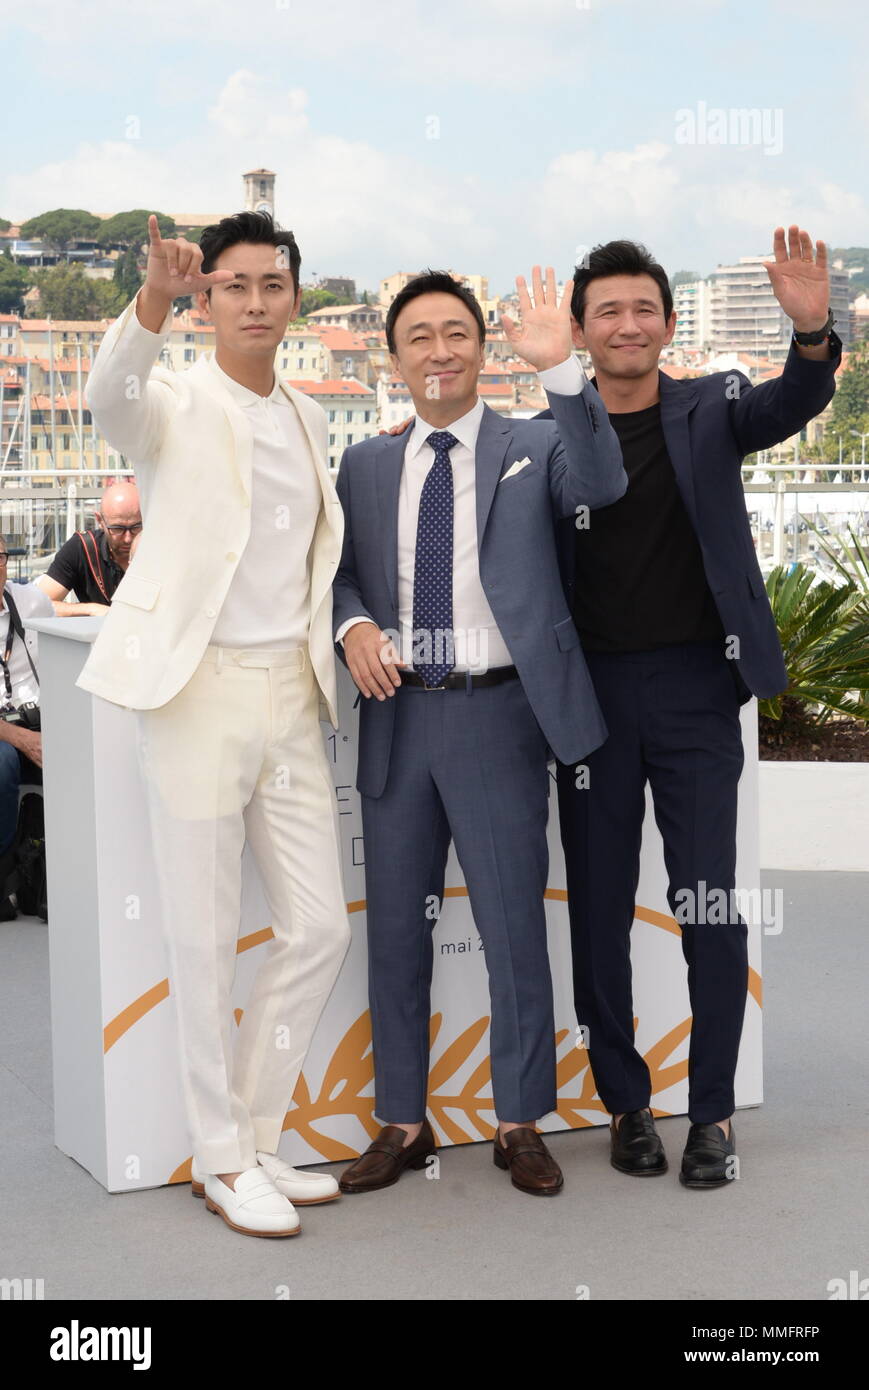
(70, 568)
(640, 582)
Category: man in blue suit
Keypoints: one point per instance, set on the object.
(669, 601)
(449, 585)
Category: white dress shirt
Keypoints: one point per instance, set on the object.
(31, 602)
(268, 601)
(479, 644)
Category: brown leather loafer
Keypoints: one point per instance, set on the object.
(532, 1167)
(384, 1161)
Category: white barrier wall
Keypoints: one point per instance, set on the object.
(118, 1103)
(814, 816)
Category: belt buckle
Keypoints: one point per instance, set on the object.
(429, 687)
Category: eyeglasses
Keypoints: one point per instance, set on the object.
(122, 530)
(4, 556)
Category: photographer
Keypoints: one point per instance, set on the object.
(20, 739)
(93, 563)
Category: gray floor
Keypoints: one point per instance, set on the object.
(796, 1218)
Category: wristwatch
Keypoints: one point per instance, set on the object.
(820, 334)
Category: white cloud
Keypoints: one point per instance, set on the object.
(585, 198)
(343, 198)
(671, 197)
(360, 210)
(251, 107)
(499, 43)
(750, 210)
(102, 176)
(352, 206)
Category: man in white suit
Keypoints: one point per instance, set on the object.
(219, 636)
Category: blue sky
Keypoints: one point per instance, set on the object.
(482, 136)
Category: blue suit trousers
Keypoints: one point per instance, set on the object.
(467, 766)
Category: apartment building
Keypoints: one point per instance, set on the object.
(347, 354)
(185, 344)
(351, 410)
(691, 302)
(357, 318)
(8, 335)
(29, 425)
(394, 401)
(302, 354)
(60, 337)
(392, 285)
(477, 284)
(745, 315)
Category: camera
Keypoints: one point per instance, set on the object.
(27, 715)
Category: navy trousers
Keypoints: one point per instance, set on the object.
(673, 718)
(467, 766)
(15, 768)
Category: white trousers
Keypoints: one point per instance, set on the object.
(238, 752)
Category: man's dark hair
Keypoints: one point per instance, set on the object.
(432, 282)
(257, 227)
(618, 258)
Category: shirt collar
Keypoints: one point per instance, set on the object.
(465, 429)
(242, 394)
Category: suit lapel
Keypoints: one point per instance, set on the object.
(493, 442)
(241, 428)
(389, 463)
(678, 399)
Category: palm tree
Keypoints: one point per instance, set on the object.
(853, 561)
(824, 632)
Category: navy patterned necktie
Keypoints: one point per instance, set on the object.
(433, 567)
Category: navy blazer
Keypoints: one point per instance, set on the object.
(574, 461)
(710, 424)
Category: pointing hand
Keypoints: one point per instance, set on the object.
(174, 266)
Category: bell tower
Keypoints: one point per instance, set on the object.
(259, 191)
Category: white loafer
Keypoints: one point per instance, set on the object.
(301, 1188)
(254, 1207)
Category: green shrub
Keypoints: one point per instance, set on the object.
(824, 632)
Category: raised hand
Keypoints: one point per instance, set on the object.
(173, 266)
(800, 281)
(543, 337)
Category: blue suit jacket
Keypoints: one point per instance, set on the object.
(709, 425)
(575, 461)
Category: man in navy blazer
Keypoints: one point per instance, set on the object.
(669, 600)
(449, 585)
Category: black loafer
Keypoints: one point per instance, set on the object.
(635, 1145)
(709, 1159)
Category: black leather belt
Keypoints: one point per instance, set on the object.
(461, 680)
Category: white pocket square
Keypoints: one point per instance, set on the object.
(514, 468)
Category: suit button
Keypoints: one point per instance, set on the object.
(231, 555)
(211, 612)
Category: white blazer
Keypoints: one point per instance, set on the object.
(191, 447)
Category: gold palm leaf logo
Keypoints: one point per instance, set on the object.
(345, 1088)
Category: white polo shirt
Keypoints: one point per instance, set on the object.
(268, 603)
